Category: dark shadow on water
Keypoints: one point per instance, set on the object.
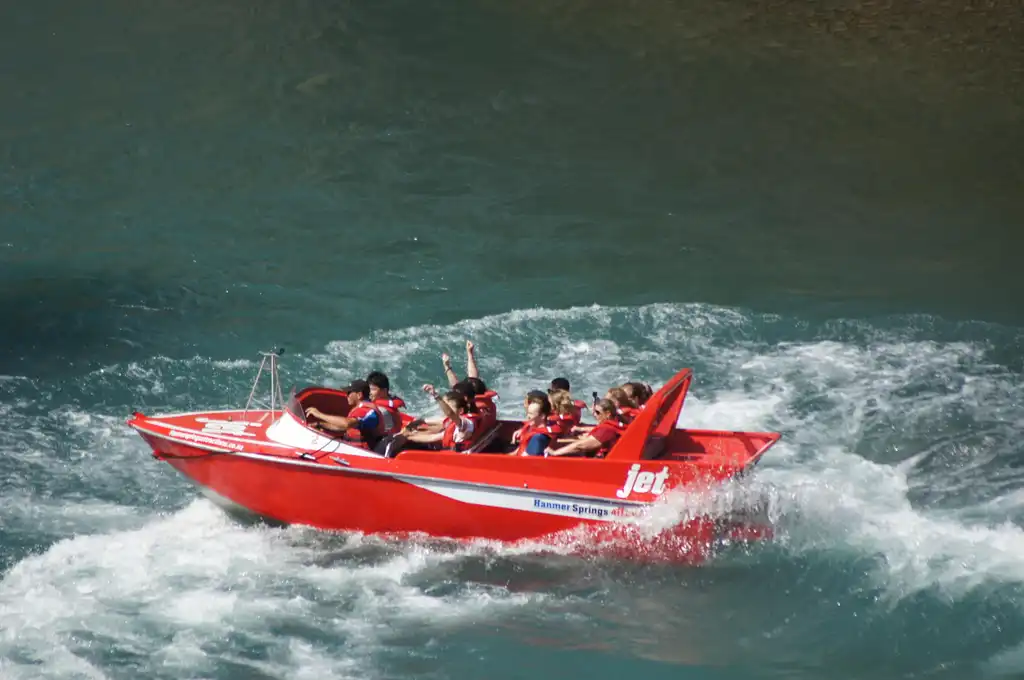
(53, 320)
(57, 323)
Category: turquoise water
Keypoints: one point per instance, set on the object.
(823, 224)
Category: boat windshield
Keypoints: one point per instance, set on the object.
(294, 406)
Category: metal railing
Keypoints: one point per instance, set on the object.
(268, 364)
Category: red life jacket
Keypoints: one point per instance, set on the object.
(451, 427)
(609, 424)
(562, 423)
(360, 410)
(478, 428)
(487, 411)
(388, 409)
(578, 407)
(628, 413)
(528, 431)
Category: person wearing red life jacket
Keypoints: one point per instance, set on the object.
(626, 406)
(536, 434)
(364, 418)
(578, 406)
(380, 395)
(535, 395)
(638, 392)
(563, 410)
(482, 399)
(483, 403)
(600, 440)
(454, 433)
(472, 371)
(473, 410)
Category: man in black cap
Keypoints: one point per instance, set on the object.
(363, 414)
(560, 384)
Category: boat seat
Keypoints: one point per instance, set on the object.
(483, 440)
(654, 448)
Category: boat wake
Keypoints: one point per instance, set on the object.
(894, 495)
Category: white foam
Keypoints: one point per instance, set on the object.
(234, 363)
(198, 571)
(862, 410)
(838, 501)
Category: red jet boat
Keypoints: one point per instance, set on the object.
(269, 461)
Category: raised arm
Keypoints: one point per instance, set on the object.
(446, 361)
(448, 411)
(471, 370)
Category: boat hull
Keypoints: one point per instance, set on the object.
(339, 498)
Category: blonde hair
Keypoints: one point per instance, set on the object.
(619, 396)
(561, 401)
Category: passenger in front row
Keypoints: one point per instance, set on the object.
(363, 415)
(453, 433)
(536, 434)
(600, 440)
(534, 394)
(388, 405)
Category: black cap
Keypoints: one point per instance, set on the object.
(360, 386)
(560, 384)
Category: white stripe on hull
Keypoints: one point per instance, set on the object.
(532, 501)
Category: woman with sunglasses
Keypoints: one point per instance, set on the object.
(600, 440)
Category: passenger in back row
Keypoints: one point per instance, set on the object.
(380, 395)
(626, 406)
(483, 401)
(482, 398)
(600, 440)
(471, 368)
(639, 392)
(563, 412)
(578, 407)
